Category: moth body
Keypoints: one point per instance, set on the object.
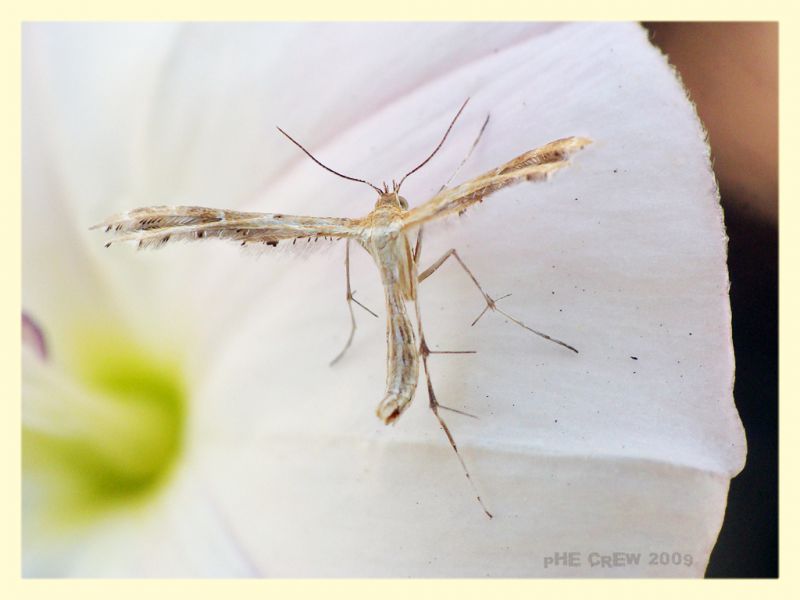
(390, 248)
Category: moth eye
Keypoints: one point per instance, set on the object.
(403, 202)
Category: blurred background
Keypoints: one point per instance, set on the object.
(731, 73)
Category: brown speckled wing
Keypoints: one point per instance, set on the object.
(157, 225)
(534, 165)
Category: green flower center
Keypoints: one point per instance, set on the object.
(108, 432)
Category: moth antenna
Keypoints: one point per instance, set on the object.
(435, 150)
(311, 156)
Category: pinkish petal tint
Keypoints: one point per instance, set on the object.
(33, 336)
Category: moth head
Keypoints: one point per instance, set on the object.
(398, 199)
(391, 199)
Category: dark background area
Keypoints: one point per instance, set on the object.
(731, 73)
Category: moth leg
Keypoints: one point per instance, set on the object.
(491, 303)
(424, 352)
(469, 153)
(417, 254)
(418, 245)
(350, 300)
